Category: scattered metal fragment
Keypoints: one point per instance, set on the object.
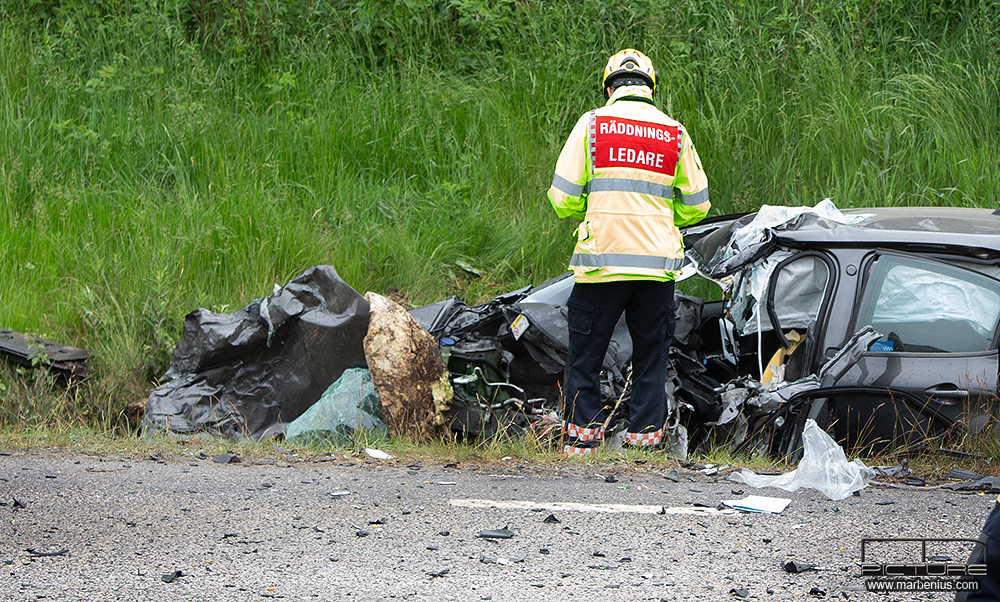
(988, 484)
(551, 519)
(504, 533)
(68, 362)
(362, 533)
(339, 493)
(31, 552)
(227, 458)
(17, 504)
(794, 566)
(958, 473)
(740, 593)
(440, 573)
(817, 592)
(377, 521)
(169, 577)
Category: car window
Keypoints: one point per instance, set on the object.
(800, 288)
(922, 306)
(799, 291)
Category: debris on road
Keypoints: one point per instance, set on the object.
(823, 467)
(760, 504)
(504, 533)
(228, 458)
(31, 552)
(169, 577)
(794, 566)
(377, 454)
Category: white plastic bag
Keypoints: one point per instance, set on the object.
(823, 467)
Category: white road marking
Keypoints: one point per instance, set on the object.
(574, 506)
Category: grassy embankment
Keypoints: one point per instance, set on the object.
(159, 157)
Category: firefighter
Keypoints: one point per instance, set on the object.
(632, 175)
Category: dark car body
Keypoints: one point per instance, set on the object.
(926, 279)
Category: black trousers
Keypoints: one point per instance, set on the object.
(594, 309)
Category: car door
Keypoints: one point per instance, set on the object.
(936, 362)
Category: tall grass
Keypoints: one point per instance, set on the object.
(161, 156)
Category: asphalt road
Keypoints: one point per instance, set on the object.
(83, 527)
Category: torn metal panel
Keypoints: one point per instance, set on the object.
(66, 361)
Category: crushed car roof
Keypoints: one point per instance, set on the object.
(966, 227)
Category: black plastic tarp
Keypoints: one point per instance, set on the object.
(247, 373)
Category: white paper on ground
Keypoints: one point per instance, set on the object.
(758, 503)
(377, 454)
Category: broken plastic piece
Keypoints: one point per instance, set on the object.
(551, 519)
(986, 484)
(502, 561)
(229, 458)
(794, 566)
(377, 454)
(824, 467)
(168, 577)
(504, 533)
(35, 554)
(958, 473)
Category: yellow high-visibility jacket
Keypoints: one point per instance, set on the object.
(617, 173)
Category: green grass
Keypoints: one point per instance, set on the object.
(150, 166)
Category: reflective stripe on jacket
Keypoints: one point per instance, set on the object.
(618, 172)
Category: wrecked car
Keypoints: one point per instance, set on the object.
(880, 323)
(889, 316)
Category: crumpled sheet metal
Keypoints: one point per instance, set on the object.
(246, 373)
(750, 238)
